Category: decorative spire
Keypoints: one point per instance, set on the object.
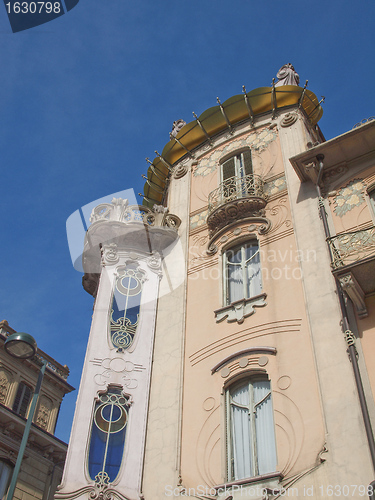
(287, 75)
(176, 127)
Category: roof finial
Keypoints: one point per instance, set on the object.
(287, 75)
(177, 126)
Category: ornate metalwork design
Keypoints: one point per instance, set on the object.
(108, 435)
(126, 304)
(235, 198)
(235, 188)
(365, 120)
(350, 338)
(348, 248)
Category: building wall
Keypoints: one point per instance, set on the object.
(44, 457)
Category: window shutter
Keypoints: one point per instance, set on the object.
(248, 164)
(229, 168)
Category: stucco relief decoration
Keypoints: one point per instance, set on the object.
(109, 254)
(275, 186)
(257, 141)
(209, 447)
(349, 197)
(198, 220)
(241, 309)
(279, 215)
(288, 120)
(4, 386)
(44, 412)
(111, 367)
(126, 305)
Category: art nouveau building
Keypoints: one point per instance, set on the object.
(231, 343)
(43, 461)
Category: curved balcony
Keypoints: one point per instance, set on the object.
(236, 198)
(354, 252)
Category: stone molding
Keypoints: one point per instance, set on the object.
(240, 309)
(354, 291)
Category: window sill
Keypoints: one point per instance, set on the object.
(240, 309)
(249, 480)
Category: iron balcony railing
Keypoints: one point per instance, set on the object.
(234, 188)
(352, 247)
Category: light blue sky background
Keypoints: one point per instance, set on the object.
(87, 97)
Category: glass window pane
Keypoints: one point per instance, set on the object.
(265, 434)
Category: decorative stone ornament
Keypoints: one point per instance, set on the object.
(288, 120)
(177, 126)
(287, 75)
(241, 309)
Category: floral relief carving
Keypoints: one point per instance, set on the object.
(257, 141)
(4, 386)
(44, 412)
(278, 215)
(349, 197)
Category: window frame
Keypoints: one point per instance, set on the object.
(371, 199)
(9, 467)
(24, 386)
(240, 168)
(248, 381)
(243, 264)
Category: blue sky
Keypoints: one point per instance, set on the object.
(86, 97)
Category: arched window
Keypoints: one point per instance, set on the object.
(108, 433)
(22, 399)
(242, 273)
(250, 429)
(6, 471)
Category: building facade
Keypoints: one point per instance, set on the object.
(231, 343)
(44, 457)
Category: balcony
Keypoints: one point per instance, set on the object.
(353, 263)
(235, 198)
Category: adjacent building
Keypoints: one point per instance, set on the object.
(44, 457)
(231, 342)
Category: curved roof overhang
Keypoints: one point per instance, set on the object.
(218, 118)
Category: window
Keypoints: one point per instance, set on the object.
(242, 272)
(6, 471)
(250, 430)
(236, 181)
(371, 194)
(108, 433)
(22, 399)
(237, 166)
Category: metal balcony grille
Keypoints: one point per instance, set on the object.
(234, 188)
(353, 247)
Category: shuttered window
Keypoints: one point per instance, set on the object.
(237, 166)
(22, 399)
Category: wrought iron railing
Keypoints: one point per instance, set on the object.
(352, 247)
(235, 188)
